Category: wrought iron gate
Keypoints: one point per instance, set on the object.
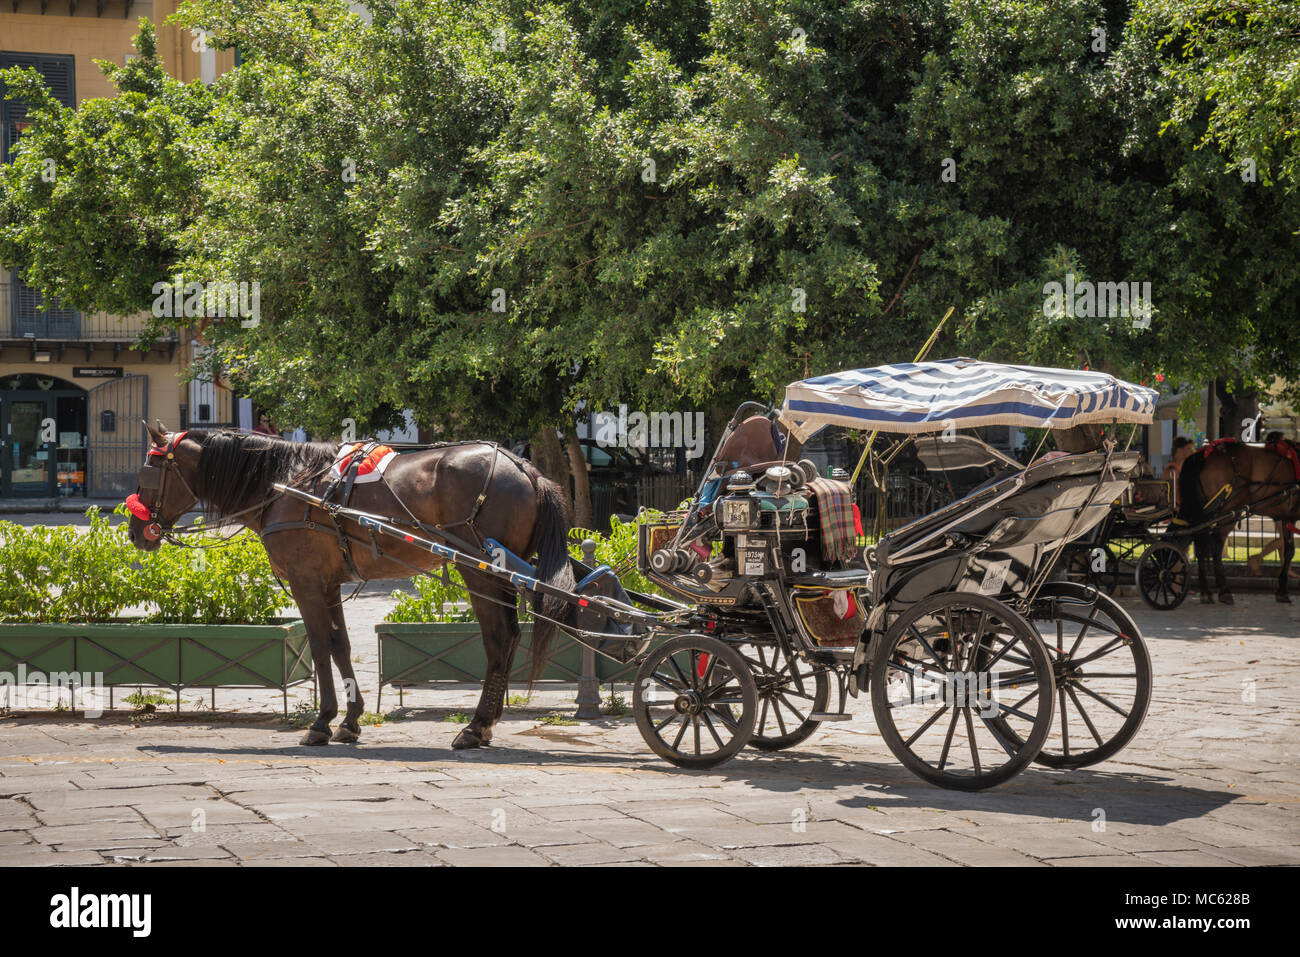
(117, 441)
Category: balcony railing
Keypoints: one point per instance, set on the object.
(23, 319)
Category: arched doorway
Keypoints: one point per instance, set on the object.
(43, 441)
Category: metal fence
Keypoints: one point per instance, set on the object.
(1255, 544)
(624, 497)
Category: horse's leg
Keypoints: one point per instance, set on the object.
(314, 600)
(500, 639)
(1288, 550)
(349, 728)
(1201, 543)
(1219, 540)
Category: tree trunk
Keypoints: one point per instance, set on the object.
(582, 514)
(548, 455)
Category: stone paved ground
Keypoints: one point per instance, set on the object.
(1213, 779)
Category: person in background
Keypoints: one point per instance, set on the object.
(263, 426)
(1182, 451)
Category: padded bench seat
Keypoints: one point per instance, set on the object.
(846, 578)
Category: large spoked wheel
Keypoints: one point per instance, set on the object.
(1102, 671)
(789, 690)
(1094, 565)
(695, 701)
(1163, 576)
(950, 677)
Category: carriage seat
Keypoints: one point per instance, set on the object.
(1039, 510)
(845, 578)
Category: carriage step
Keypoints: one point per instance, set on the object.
(830, 716)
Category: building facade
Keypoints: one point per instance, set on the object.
(74, 386)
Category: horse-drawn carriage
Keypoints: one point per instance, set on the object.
(1138, 538)
(943, 620)
(775, 610)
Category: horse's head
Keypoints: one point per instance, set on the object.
(165, 488)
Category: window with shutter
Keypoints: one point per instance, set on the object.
(59, 73)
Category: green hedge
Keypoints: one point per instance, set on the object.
(66, 574)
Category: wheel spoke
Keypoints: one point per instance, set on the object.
(725, 718)
(667, 683)
(1086, 720)
(681, 733)
(660, 726)
(686, 682)
(1065, 723)
(1105, 649)
(797, 713)
(925, 727)
(970, 732)
(709, 725)
(1110, 704)
(926, 645)
(947, 741)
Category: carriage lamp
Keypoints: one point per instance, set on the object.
(737, 513)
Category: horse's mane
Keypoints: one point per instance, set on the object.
(236, 469)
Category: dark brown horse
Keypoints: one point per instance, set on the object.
(1228, 477)
(230, 474)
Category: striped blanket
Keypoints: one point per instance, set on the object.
(835, 512)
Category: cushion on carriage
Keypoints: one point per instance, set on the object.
(834, 618)
(837, 519)
(372, 467)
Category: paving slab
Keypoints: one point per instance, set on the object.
(1211, 779)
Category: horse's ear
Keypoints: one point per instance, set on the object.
(157, 436)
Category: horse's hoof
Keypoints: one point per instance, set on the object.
(315, 737)
(1225, 598)
(1285, 599)
(345, 735)
(1207, 598)
(469, 739)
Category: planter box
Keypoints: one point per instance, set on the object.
(133, 653)
(413, 653)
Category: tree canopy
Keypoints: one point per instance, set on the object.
(496, 213)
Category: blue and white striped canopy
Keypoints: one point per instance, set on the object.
(961, 394)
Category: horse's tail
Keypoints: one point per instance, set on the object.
(553, 568)
(1191, 503)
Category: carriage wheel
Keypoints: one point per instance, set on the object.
(951, 675)
(695, 701)
(1163, 576)
(1094, 565)
(1102, 671)
(789, 689)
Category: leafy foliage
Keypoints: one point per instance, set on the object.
(497, 213)
(61, 574)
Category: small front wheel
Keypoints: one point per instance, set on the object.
(694, 701)
(1163, 576)
(790, 691)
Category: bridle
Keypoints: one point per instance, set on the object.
(153, 475)
(160, 461)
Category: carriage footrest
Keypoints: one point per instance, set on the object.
(830, 716)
